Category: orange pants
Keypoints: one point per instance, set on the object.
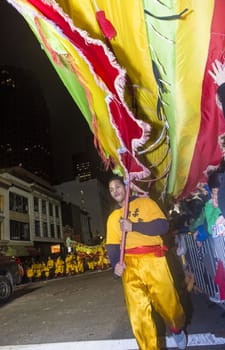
(147, 281)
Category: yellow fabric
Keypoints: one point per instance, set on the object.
(179, 48)
(50, 263)
(181, 59)
(29, 273)
(95, 92)
(191, 56)
(130, 46)
(140, 209)
(147, 281)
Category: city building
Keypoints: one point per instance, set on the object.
(30, 215)
(88, 165)
(71, 218)
(83, 168)
(93, 199)
(88, 191)
(25, 123)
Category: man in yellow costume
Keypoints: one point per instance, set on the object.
(68, 263)
(59, 267)
(146, 277)
(50, 266)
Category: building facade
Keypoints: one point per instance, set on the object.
(72, 221)
(94, 201)
(30, 215)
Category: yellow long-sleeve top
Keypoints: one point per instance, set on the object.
(142, 211)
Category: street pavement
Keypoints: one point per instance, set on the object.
(88, 311)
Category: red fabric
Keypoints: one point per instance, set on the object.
(220, 279)
(157, 250)
(175, 330)
(127, 130)
(94, 53)
(126, 125)
(105, 25)
(207, 151)
(133, 168)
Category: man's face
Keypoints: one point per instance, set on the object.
(117, 191)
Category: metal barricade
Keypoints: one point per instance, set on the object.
(202, 262)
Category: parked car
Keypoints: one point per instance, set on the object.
(10, 276)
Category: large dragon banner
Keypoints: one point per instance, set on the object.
(138, 70)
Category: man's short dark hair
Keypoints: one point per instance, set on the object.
(116, 177)
(215, 179)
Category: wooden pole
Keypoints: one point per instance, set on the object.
(126, 207)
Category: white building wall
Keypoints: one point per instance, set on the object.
(4, 214)
(38, 215)
(10, 183)
(15, 216)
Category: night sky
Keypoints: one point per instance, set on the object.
(70, 131)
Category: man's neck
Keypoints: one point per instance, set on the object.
(121, 204)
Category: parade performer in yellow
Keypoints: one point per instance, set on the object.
(40, 269)
(68, 262)
(37, 269)
(50, 266)
(29, 273)
(45, 269)
(90, 263)
(146, 277)
(74, 266)
(59, 267)
(80, 263)
(103, 261)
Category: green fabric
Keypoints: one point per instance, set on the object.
(211, 214)
(198, 222)
(162, 37)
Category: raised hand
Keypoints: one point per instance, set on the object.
(217, 72)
